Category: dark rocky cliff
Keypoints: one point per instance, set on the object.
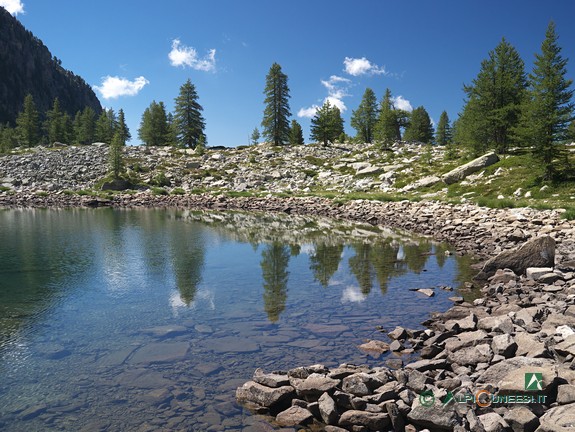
(27, 66)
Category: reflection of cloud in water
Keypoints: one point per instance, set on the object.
(307, 248)
(352, 294)
(203, 298)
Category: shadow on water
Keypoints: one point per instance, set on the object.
(125, 319)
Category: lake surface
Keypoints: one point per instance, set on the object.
(126, 320)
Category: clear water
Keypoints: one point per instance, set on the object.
(127, 320)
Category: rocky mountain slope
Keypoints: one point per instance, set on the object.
(406, 171)
(27, 66)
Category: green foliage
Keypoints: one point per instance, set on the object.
(494, 101)
(178, 191)
(189, 123)
(327, 124)
(444, 136)
(387, 128)
(549, 108)
(28, 124)
(85, 126)
(160, 179)
(277, 111)
(122, 127)
(154, 129)
(8, 139)
(115, 157)
(569, 214)
(363, 119)
(419, 128)
(106, 125)
(158, 191)
(295, 133)
(255, 136)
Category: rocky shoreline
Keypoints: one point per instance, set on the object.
(524, 325)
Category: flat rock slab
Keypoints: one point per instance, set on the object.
(374, 348)
(232, 344)
(567, 346)
(509, 375)
(327, 329)
(293, 416)
(142, 378)
(165, 331)
(161, 352)
(558, 419)
(262, 395)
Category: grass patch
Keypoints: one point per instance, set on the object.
(178, 191)
(158, 190)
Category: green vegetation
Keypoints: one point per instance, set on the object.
(363, 119)
(188, 121)
(275, 124)
(327, 124)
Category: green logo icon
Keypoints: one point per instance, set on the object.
(533, 381)
(427, 398)
(448, 398)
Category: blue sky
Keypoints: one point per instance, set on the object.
(134, 52)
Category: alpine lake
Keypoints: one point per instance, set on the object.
(141, 320)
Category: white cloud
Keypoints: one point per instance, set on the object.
(400, 102)
(182, 55)
(13, 6)
(308, 112)
(113, 86)
(362, 66)
(336, 90)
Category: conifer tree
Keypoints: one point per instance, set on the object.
(28, 124)
(327, 124)
(549, 107)
(419, 128)
(188, 121)
(85, 126)
(295, 133)
(255, 136)
(494, 101)
(106, 126)
(122, 127)
(387, 128)
(443, 133)
(275, 122)
(115, 158)
(363, 119)
(154, 129)
(54, 125)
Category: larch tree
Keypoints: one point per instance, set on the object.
(255, 136)
(154, 129)
(85, 126)
(327, 124)
(189, 123)
(28, 123)
(494, 101)
(419, 128)
(106, 126)
(295, 133)
(387, 128)
(122, 127)
(55, 124)
(363, 119)
(548, 110)
(275, 122)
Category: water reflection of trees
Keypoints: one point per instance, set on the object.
(274, 265)
(324, 261)
(376, 261)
